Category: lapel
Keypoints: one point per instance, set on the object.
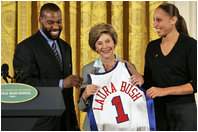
(47, 49)
(96, 70)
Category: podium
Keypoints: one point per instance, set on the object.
(23, 116)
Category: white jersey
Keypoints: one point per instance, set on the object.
(118, 105)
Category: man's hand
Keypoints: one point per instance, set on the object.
(72, 81)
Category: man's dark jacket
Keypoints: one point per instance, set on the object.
(41, 69)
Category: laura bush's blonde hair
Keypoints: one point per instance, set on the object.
(99, 29)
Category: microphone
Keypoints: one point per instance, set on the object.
(18, 72)
(4, 72)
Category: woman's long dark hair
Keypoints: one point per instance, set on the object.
(173, 11)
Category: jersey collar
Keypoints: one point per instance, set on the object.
(98, 64)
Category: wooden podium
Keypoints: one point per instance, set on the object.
(23, 116)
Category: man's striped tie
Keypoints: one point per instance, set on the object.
(57, 56)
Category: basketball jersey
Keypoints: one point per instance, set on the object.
(118, 105)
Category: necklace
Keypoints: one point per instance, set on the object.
(167, 48)
(169, 42)
(165, 51)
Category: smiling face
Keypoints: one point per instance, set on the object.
(105, 46)
(163, 23)
(51, 23)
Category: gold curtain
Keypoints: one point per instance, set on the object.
(133, 21)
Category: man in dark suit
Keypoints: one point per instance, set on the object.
(46, 61)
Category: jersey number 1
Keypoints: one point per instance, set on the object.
(121, 115)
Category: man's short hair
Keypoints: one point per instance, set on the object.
(49, 6)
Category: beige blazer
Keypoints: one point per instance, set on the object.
(82, 105)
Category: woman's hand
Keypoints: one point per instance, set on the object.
(90, 90)
(154, 92)
(184, 89)
(123, 61)
(137, 80)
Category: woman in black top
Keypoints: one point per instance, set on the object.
(171, 71)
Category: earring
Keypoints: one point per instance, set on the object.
(171, 26)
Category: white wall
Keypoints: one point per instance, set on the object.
(188, 9)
